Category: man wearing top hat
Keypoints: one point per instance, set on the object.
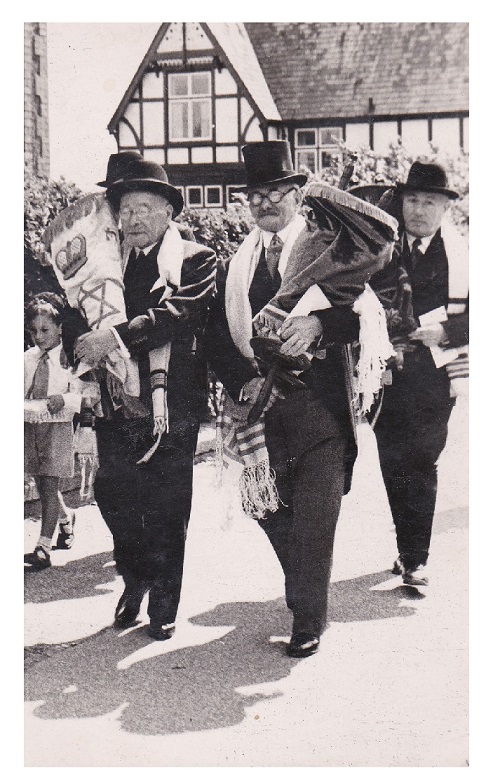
(146, 505)
(430, 267)
(308, 433)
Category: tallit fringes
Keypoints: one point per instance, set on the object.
(258, 490)
(322, 190)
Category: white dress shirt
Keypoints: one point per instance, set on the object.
(61, 381)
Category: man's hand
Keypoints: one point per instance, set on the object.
(299, 333)
(93, 346)
(431, 335)
(55, 403)
(252, 388)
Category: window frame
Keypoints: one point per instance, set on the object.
(317, 148)
(187, 191)
(189, 99)
(207, 203)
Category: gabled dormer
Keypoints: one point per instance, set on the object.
(197, 97)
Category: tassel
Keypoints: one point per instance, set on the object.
(258, 490)
(320, 190)
(151, 451)
(86, 486)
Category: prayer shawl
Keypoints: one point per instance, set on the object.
(84, 246)
(236, 441)
(397, 297)
(456, 248)
(246, 444)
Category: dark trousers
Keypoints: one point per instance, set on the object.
(147, 507)
(302, 530)
(411, 433)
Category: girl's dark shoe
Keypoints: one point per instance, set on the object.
(38, 559)
(65, 538)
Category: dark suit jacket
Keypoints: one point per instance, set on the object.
(320, 412)
(420, 380)
(183, 326)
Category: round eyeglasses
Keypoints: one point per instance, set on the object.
(141, 212)
(256, 198)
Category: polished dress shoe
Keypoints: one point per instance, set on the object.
(160, 631)
(416, 576)
(398, 567)
(127, 609)
(303, 644)
(411, 575)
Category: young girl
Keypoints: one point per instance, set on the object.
(50, 403)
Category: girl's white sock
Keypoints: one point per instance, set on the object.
(45, 543)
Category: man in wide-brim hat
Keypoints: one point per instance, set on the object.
(168, 283)
(429, 273)
(296, 459)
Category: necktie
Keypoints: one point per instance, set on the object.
(39, 387)
(273, 254)
(416, 252)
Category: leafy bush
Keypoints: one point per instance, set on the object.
(221, 230)
(371, 167)
(43, 199)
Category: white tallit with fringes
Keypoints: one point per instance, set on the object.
(374, 345)
(457, 250)
(245, 444)
(85, 252)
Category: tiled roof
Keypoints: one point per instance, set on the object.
(327, 69)
(236, 45)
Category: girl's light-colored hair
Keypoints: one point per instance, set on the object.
(45, 303)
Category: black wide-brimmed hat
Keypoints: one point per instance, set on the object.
(371, 192)
(117, 166)
(428, 177)
(269, 163)
(142, 175)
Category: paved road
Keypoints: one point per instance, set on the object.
(389, 686)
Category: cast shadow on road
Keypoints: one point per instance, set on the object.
(196, 687)
(75, 580)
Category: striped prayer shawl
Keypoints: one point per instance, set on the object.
(239, 442)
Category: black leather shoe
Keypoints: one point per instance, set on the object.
(416, 575)
(160, 632)
(127, 610)
(302, 645)
(398, 567)
(65, 537)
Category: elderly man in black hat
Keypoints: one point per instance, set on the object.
(168, 285)
(425, 290)
(306, 436)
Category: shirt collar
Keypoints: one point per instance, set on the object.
(424, 241)
(283, 234)
(145, 250)
(53, 354)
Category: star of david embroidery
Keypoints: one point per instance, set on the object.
(98, 293)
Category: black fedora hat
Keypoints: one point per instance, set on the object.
(117, 166)
(428, 177)
(371, 192)
(268, 163)
(142, 175)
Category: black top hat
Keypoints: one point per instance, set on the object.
(429, 177)
(267, 163)
(142, 175)
(117, 166)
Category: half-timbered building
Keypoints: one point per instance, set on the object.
(204, 89)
